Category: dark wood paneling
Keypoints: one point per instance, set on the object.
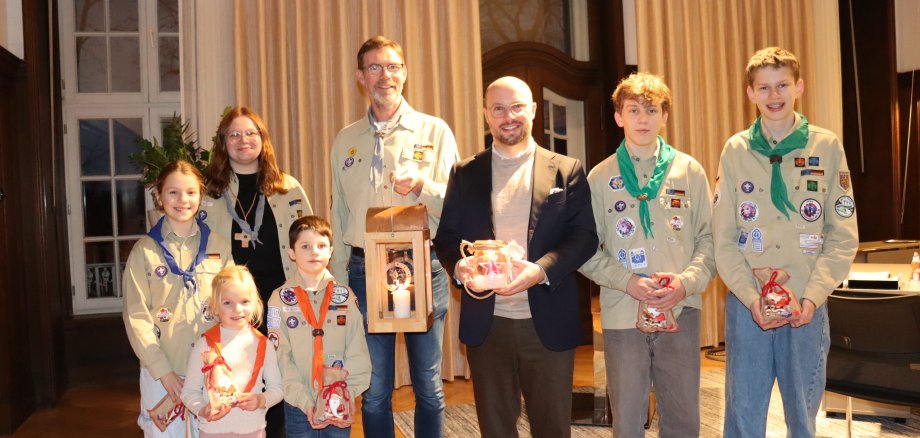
(876, 180)
(909, 149)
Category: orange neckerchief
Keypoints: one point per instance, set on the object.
(307, 309)
(213, 338)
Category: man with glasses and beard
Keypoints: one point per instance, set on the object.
(392, 156)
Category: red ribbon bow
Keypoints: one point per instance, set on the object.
(219, 360)
(329, 390)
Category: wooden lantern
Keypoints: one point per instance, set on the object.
(397, 251)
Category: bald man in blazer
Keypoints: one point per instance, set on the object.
(522, 339)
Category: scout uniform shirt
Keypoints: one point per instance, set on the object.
(815, 246)
(292, 335)
(417, 141)
(163, 318)
(286, 208)
(682, 242)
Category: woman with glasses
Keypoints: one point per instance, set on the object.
(252, 203)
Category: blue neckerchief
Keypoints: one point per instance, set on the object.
(188, 275)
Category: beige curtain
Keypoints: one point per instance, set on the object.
(295, 64)
(701, 49)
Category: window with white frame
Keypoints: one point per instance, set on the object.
(120, 81)
(564, 125)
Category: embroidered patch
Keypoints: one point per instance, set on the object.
(815, 172)
(273, 317)
(625, 227)
(747, 187)
(339, 294)
(352, 151)
(164, 314)
(748, 211)
(677, 223)
(800, 162)
(616, 183)
(292, 322)
(160, 271)
(845, 206)
(675, 192)
(757, 240)
(742, 240)
(349, 161)
(621, 258)
(814, 161)
(619, 206)
(418, 155)
(288, 296)
(273, 337)
(812, 185)
(637, 258)
(294, 202)
(204, 312)
(716, 197)
(340, 320)
(843, 180)
(338, 363)
(675, 203)
(202, 215)
(810, 210)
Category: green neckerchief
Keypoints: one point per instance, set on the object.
(650, 191)
(797, 139)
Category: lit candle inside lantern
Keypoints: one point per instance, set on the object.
(401, 303)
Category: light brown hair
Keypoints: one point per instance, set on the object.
(775, 57)
(181, 166)
(644, 88)
(315, 224)
(376, 43)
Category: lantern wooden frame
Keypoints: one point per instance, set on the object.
(404, 228)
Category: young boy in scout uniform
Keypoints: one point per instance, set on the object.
(315, 323)
(652, 210)
(783, 200)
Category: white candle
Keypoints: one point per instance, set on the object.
(401, 303)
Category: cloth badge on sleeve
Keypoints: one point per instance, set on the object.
(163, 315)
(273, 318)
(812, 185)
(621, 258)
(292, 322)
(675, 192)
(161, 271)
(288, 296)
(616, 183)
(619, 206)
(202, 215)
(814, 172)
(350, 161)
(272, 336)
(677, 223)
(814, 161)
(675, 202)
(339, 294)
(747, 187)
(748, 211)
(810, 210)
(637, 258)
(625, 227)
(340, 320)
(742, 240)
(843, 180)
(800, 162)
(757, 240)
(207, 316)
(294, 202)
(845, 207)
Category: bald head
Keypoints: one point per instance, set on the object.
(509, 111)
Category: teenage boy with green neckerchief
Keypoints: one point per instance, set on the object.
(652, 208)
(783, 200)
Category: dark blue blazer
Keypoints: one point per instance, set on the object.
(561, 237)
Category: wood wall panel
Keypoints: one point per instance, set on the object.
(909, 152)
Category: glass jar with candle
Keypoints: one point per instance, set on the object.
(492, 261)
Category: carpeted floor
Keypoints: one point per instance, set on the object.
(460, 421)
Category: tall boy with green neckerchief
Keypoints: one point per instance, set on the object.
(783, 200)
(652, 210)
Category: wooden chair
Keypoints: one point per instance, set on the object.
(875, 348)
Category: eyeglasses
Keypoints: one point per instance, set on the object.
(515, 109)
(237, 136)
(376, 69)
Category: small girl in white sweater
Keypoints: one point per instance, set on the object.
(248, 356)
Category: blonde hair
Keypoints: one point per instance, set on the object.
(776, 57)
(644, 88)
(239, 275)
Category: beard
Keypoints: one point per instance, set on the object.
(511, 139)
(388, 100)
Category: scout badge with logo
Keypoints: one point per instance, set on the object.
(616, 183)
(625, 227)
(843, 180)
(810, 210)
(776, 302)
(748, 211)
(845, 207)
(619, 206)
(747, 187)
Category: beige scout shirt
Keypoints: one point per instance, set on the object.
(162, 319)
(343, 340)
(418, 141)
(286, 207)
(681, 220)
(816, 245)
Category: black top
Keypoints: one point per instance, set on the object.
(264, 260)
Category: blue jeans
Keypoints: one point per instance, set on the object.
(424, 350)
(794, 357)
(296, 425)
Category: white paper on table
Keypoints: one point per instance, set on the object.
(869, 276)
